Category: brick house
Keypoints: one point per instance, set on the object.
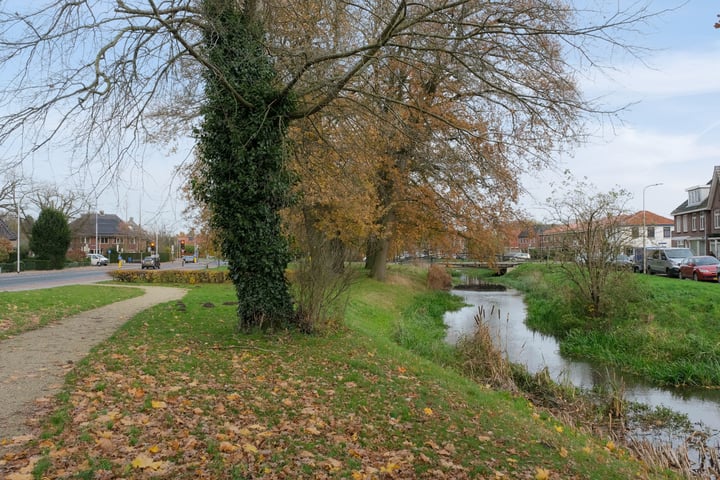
(697, 219)
(5, 231)
(530, 239)
(630, 234)
(113, 235)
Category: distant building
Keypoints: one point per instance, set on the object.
(630, 234)
(5, 232)
(658, 231)
(697, 219)
(530, 238)
(107, 233)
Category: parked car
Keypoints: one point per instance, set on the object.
(151, 261)
(516, 256)
(663, 260)
(701, 267)
(97, 259)
(624, 262)
(188, 258)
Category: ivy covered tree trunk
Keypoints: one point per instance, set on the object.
(242, 153)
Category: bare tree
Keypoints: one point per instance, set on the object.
(115, 72)
(589, 234)
(11, 187)
(70, 203)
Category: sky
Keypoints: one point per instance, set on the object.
(670, 132)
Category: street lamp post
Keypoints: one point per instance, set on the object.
(644, 232)
(18, 238)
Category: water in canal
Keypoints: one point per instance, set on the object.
(505, 315)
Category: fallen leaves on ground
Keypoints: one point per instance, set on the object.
(280, 411)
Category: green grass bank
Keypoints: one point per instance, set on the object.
(667, 330)
(177, 393)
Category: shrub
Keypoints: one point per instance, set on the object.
(190, 277)
(6, 247)
(439, 278)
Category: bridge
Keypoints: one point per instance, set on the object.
(501, 268)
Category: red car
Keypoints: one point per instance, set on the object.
(704, 267)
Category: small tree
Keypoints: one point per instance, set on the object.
(51, 237)
(589, 235)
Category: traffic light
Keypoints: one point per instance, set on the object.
(152, 247)
(182, 246)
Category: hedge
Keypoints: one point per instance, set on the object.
(191, 277)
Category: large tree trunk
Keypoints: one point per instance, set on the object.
(377, 259)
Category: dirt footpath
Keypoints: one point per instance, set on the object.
(33, 364)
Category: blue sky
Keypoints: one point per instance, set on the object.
(670, 133)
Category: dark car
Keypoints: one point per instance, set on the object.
(151, 261)
(702, 267)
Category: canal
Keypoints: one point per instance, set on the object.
(505, 314)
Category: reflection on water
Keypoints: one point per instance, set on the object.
(505, 314)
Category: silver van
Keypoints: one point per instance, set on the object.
(666, 260)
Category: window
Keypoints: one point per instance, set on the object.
(693, 222)
(702, 221)
(666, 232)
(650, 232)
(635, 232)
(678, 219)
(694, 197)
(685, 223)
(716, 215)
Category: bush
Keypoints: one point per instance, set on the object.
(77, 256)
(6, 247)
(190, 277)
(439, 278)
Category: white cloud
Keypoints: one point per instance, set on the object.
(666, 74)
(632, 159)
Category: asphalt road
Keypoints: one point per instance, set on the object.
(13, 281)
(31, 280)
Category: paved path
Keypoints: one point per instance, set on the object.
(33, 364)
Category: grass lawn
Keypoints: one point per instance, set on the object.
(178, 394)
(26, 310)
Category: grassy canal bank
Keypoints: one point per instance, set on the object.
(662, 329)
(177, 393)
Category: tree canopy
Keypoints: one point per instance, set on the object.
(446, 102)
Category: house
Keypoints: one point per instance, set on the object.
(108, 234)
(530, 238)
(5, 231)
(697, 219)
(627, 232)
(658, 231)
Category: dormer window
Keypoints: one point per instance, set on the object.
(696, 195)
